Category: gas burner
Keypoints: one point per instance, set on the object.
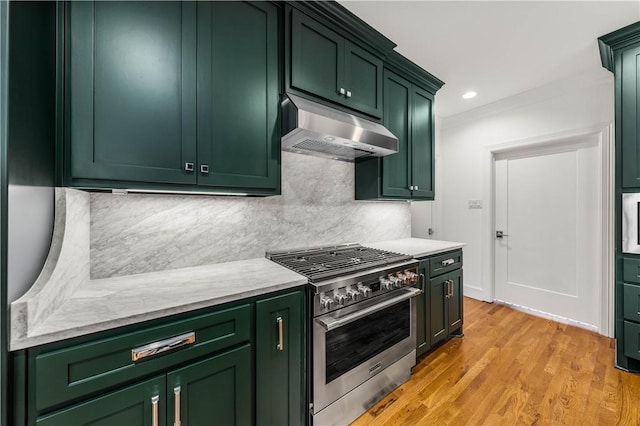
(319, 264)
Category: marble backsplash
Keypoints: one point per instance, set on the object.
(139, 233)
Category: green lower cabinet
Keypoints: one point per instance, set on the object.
(131, 406)
(438, 312)
(446, 306)
(217, 390)
(280, 391)
(422, 311)
(454, 303)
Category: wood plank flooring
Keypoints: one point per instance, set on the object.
(514, 368)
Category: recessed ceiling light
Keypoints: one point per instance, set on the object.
(469, 95)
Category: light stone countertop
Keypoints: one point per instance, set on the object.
(416, 247)
(109, 303)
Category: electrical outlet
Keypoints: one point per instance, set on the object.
(475, 204)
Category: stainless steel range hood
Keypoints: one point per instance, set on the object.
(314, 129)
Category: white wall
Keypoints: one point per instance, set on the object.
(572, 105)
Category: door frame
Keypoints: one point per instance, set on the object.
(605, 136)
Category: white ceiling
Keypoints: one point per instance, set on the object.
(497, 48)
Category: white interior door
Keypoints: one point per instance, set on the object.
(547, 205)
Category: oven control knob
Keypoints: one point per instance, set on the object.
(364, 290)
(326, 302)
(395, 281)
(402, 278)
(386, 284)
(413, 277)
(340, 298)
(353, 294)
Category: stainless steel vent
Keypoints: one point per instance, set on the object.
(314, 129)
(329, 150)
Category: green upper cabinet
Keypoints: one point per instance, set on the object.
(280, 355)
(174, 96)
(422, 144)
(630, 93)
(396, 177)
(325, 64)
(408, 114)
(131, 75)
(238, 95)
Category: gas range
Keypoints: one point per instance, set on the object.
(362, 316)
(346, 274)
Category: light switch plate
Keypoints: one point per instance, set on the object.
(475, 204)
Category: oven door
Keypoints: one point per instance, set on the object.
(353, 344)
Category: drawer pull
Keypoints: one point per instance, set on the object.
(161, 346)
(448, 262)
(154, 410)
(280, 335)
(176, 401)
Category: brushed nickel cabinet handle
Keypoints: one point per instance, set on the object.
(189, 167)
(341, 91)
(348, 94)
(176, 401)
(161, 346)
(280, 334)
(448, 262)
(154, 410)
(204, 169)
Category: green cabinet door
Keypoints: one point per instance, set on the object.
(422, 147)
(438, 313)
(630, 94)
(131, 91)
(216, 391)
(454, 303)
(362, 80)
(422, 311)
(408, 174)
(132, 406)
(280, 391)
(325, 64)
(317, 58)
(396, 175)
(238, 95)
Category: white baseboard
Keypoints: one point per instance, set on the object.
(549, 316)
(474, 293)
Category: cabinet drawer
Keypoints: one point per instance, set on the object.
(631, 270)
(444, 263)
(631, 302)
(632, 340)
(77, 371)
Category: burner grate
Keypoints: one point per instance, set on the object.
(322, 264)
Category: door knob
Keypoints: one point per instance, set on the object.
(500, 234)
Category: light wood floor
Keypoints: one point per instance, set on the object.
(514, 368)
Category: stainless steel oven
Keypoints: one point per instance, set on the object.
(362, 326)
(355, 345)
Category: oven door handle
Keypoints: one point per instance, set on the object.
(332, 323)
